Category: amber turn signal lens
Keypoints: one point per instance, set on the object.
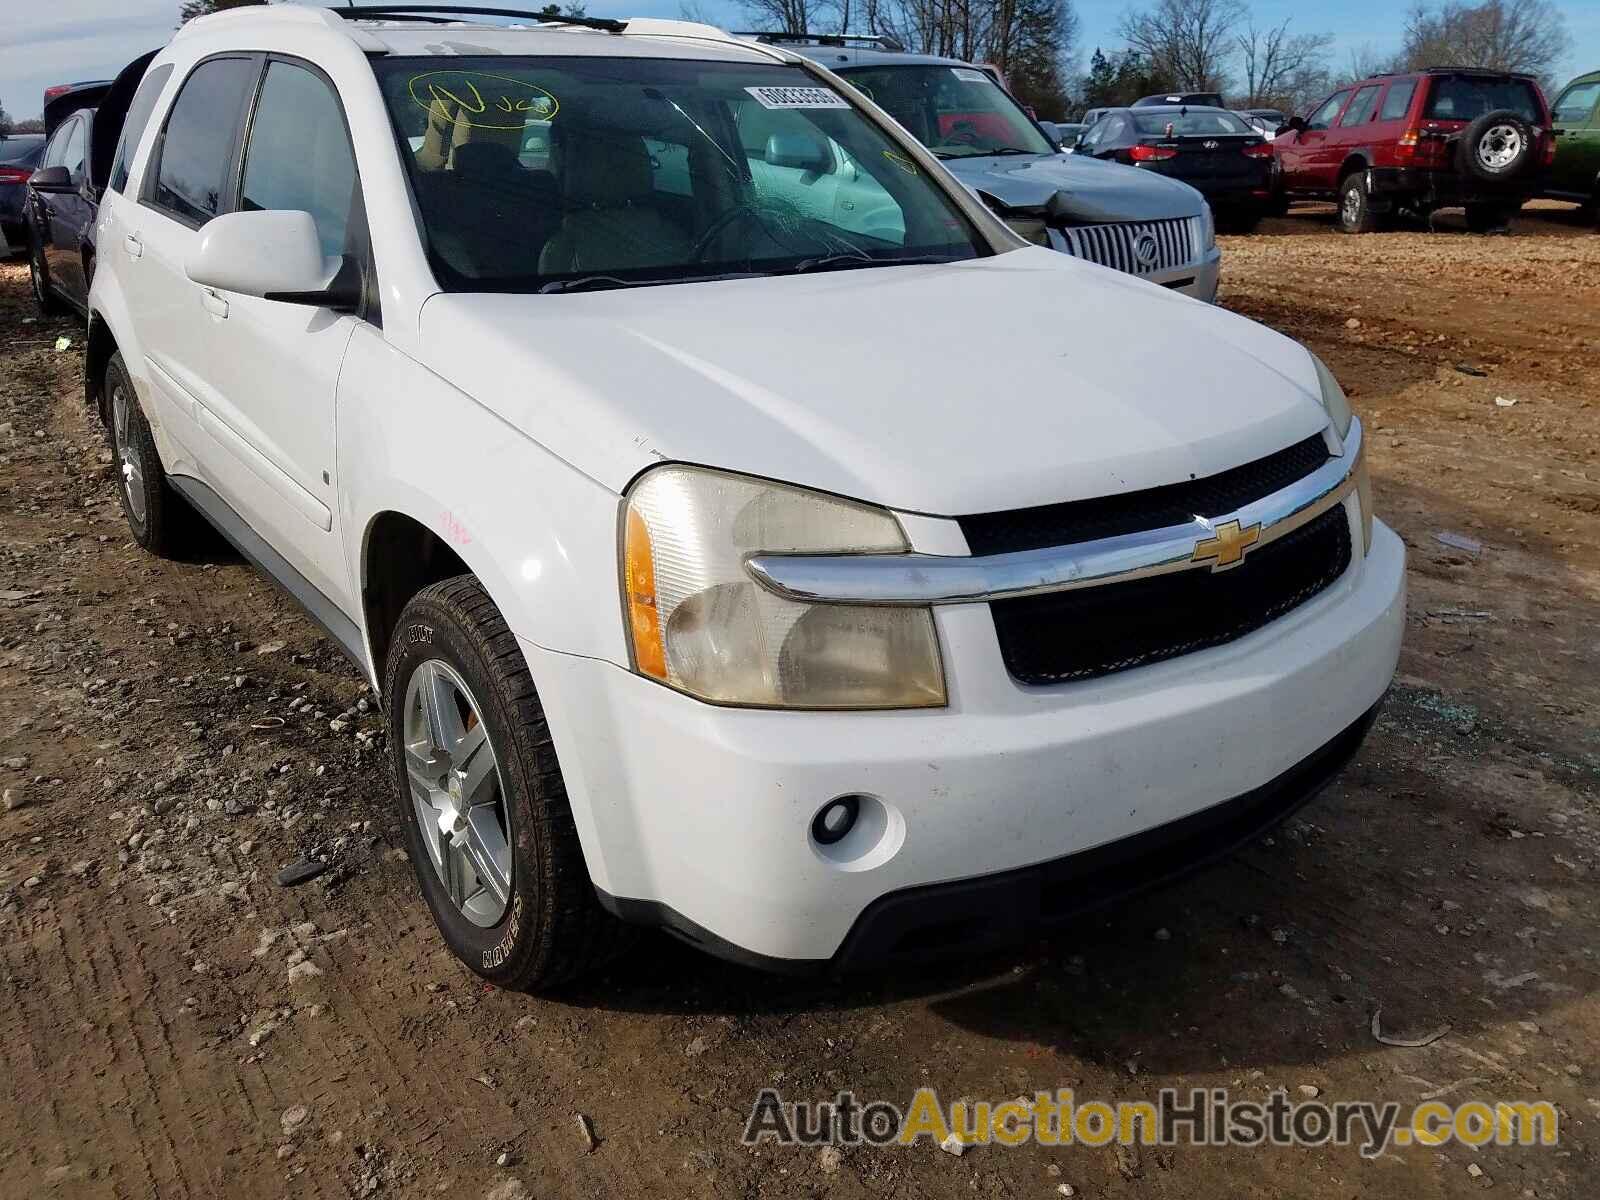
(644, 618)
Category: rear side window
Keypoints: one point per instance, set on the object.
(1577, 103)
(1361, 107)
(299, 156)
(1467, 97)
(1398, 102)
(140, 110)
(197, 145)
(55, 150)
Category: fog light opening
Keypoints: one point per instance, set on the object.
(835, 819)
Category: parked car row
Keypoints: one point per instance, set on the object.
(742, 496)
(1407, 143)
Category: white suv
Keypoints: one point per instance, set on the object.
(773, 572)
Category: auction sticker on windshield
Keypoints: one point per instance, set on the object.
(797, 97)
(968, 75)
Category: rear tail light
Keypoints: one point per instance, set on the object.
(1152, 153)
(1258, 150)
(15, 174)
(1406, 147)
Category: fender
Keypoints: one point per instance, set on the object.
(411, 443)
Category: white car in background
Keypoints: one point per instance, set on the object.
(829, 583)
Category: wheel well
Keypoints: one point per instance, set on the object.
(402, 557)
(97, 355)
(1352, 164)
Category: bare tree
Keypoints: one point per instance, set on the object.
(1502, 35)
(1281, 67)
(1188, 40)
(200, 8)
(1365, 62)
(787, 16)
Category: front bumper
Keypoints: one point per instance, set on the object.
(697, 817)
(1197, 279)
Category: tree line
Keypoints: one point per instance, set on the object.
(1179, 45)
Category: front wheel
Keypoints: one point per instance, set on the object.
(1355, 208)
(488, 826)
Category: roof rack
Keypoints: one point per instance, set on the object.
(863, 41)
(449, 13)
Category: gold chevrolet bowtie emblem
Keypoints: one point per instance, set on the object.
(1228, 547)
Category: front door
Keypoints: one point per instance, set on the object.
(273, 367)
(1300, 153)
(1575, 118)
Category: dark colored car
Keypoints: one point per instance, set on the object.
(1190, 99)
(83, 122)
(1440, 138)
(19, 155)
(1575, 122)
(1212, 150)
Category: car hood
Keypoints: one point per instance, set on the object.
(1003, 382)
(1083, 189)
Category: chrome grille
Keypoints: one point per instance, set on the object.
(1117, 246)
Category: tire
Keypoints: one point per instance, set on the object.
(44, 296)
(1355, 212)
(1496, 148)
(160, 519)
(1490, 218)
(507, 885)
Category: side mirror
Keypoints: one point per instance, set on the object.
(1292, 125)
(273, 254)
(799, 152)
(53, 180)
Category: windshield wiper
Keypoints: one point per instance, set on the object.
(843, 262)
(975, 153)
(600, 283)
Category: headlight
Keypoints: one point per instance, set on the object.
(699, 623)
(1030, 229)
(1208, 228)
(1338, 406)
(1333, 398)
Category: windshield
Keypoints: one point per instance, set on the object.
(1194, 123)
(554, 174)
(1467, 97)
(957, 112)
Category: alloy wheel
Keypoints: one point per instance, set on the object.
(130, 459)
(457, 793)
(1351, 208)
(36, 277)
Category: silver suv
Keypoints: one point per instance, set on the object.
(1118, 216)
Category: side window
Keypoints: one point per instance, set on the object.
(299, 156)
(1323, 117)
(140, 110)
(1576, 104)
(1398, 102)
(196, 147)
(55, 150)
(1360, 110)
(72, 157)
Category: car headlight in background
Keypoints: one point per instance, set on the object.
(698, 622)
(1338, 406)
(1208, 229)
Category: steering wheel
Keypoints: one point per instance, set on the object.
(741, 212)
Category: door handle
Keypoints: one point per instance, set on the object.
(133, 246)
(213, 303)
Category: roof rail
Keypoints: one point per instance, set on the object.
(303, 14)
(450, 13)
(861, 41)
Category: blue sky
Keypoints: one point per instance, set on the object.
(66, 40)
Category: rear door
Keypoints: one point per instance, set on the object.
(1576, 121)
(183, 185)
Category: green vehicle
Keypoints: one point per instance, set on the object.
(1575, 118)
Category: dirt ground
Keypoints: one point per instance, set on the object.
(176, 1024)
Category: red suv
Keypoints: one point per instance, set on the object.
(1440, 138)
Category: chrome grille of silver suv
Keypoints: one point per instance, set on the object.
(1119, 245)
